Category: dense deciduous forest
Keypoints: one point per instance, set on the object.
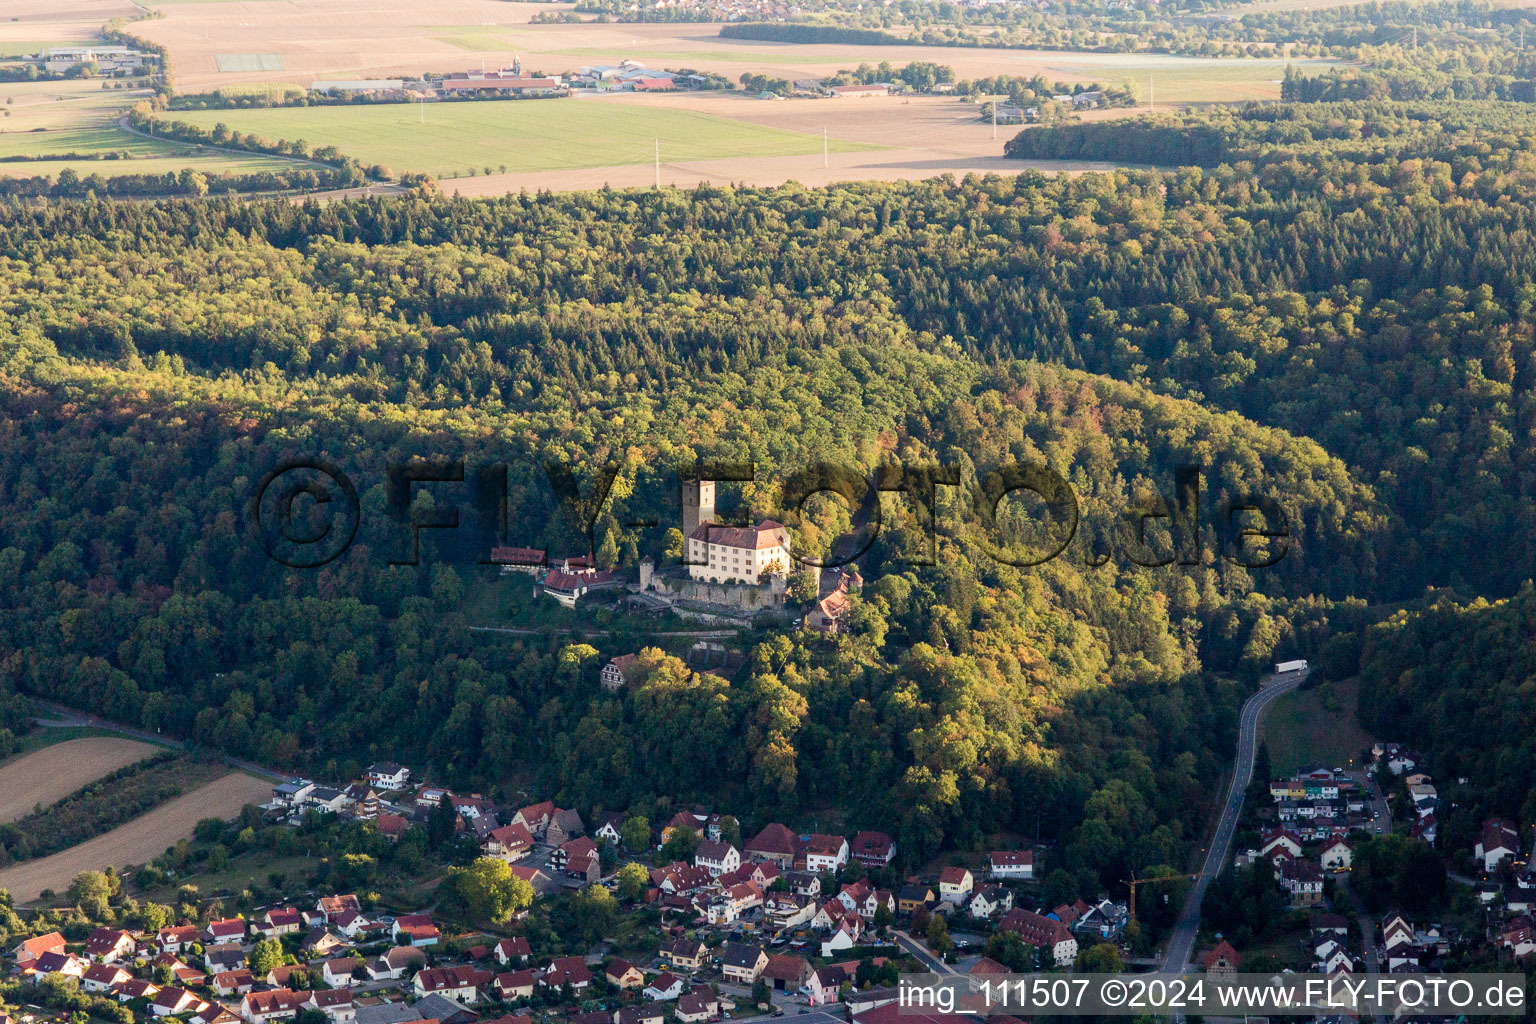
(1337, 313)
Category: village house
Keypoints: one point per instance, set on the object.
(564, 825)
(512, 951)
(639, 1013)
(342, 972)
(509, 842)
(578, 858)
(1337, 855)
(31, 949)
(457, 983)
(825, 853)
(846, 935)
(1051, 936)
(610, 828)
(873, 849)
(742, 963)
(567, 970)
(134, 988)
(514, 985)
(260, 1007)
(1498, 840)
(175, 938)
(619, 673)
(990, 901)
(67, 964)
(99, 978)
(914, 896)
(685, 953)
(785, 973)
(171, 1000)
(1223, 960)
(1011, 864)
(697, 1005)
(955, 885)
(109, 945)
(226, 956)
(716, 858)
(622, 974)
(335, 1003)
(664, 987)
(775, 843)
(389, 776)
(233, 983)
(535, 817)
(274, 923)
(415, 930)
(1303, 880)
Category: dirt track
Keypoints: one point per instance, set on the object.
(48, 775)
(138, 841)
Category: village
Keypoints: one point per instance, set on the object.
(784, 922)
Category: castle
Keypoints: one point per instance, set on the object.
(716, 553)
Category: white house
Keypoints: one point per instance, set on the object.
(825, 853)
(389, 775)
(1337, 856)
(1012, 864)
(716, 858)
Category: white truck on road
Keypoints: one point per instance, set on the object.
(1283, 667)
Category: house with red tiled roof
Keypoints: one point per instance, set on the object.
(825, 852)
(622, 671)
(1044, 933)
(738, 554)
(335, 1003)
(99, 978)
(509, 842)
(274, 1004)
(457, 983)
(955, 885)
(697, 1005)
(578, 858)
(1006, 864)
(776, 843)
(1222, 960)
(415, 930)
(512, 951)
(622, 974)
(30, 949)
(513, 985)
(172, 1000)
(109, 945)
(873, 849)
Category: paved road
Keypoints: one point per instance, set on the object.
(70, 718)
(919, 950)
(1181, 944)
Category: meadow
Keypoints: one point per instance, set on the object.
(451, 139)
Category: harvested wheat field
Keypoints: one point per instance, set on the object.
(50, 774)
(138, 841)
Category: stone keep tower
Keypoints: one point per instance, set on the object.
(698, 504)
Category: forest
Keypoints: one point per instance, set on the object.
(1336, 314)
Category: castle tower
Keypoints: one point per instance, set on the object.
(698, 504)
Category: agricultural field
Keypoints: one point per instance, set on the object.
(139, 840)
(78, 117)
(104, 803)
(52, 773)
(371, 38)
(453, 139)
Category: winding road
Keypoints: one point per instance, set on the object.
(1181, 944)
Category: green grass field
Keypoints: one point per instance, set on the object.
(528, 135)
(1315, 725)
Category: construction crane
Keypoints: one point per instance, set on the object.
(1133, 882)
